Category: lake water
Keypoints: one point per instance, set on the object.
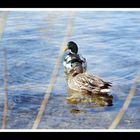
(109, 40)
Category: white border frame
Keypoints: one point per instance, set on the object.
(69, 9)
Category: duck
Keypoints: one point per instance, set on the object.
(73, 58)
(83, 87)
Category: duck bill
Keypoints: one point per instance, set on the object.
(65, 49)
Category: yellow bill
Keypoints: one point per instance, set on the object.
(65, 49)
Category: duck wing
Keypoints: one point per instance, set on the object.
(96, 81)
(85, 81)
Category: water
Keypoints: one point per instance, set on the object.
(108, 40)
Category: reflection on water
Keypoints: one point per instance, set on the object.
(85, 98)
(108, 40)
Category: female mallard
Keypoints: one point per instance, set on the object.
(84, 87)
(73, 59)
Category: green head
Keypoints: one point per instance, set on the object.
(72, 46)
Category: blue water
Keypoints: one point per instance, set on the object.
(109, 40)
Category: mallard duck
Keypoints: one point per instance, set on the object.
(84, 87)
(73, 59)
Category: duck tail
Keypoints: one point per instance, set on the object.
(109, 84)
(105, 88)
